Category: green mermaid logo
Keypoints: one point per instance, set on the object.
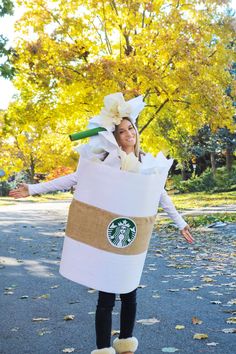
(121, 232)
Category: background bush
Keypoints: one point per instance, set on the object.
(223, 181)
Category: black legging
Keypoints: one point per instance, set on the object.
(103, 319)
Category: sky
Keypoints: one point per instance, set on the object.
(7, 89)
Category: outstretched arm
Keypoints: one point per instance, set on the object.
(57, 184)
(168, 206)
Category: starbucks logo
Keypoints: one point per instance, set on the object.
(121, 232)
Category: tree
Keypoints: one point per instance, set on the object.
(73, 53)
(219, 143)
(206, 142)
(227, 141)
(30, 147)
(6, 69)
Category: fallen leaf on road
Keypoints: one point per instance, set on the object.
(68, 350)
(212, 344)
(114, 332)
(148, 321)
(169, 350)
(69, 317)
(8, 292)
(232, 302)
(40, 319)
(74, 302)
(229, 330)
(196, 320)
(193, 289)
(44, 296)
(91, 291)
(179, 327)
(231, 320)
(200, 336)
(43, 331)
(208, 280)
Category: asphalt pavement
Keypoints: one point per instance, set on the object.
(186, 291)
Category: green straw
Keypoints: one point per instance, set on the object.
(86, 133)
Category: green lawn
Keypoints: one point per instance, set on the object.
(36, 199)
(203, 199)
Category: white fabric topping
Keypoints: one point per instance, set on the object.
(115, 108)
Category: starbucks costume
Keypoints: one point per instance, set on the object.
(114, 206)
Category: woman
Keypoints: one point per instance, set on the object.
(127, 138)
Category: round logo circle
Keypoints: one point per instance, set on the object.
(121, 232)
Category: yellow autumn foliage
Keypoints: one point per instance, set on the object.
(70, 54)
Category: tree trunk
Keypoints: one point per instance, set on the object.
(184, 171)
(213, 162)
(31, 170)
(229, 159)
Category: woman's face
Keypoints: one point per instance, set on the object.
(126, 136)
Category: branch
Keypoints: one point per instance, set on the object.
(113, 5)
(180, 101)
(99, 34)
(153, 116)
(55, 19)
(211, 55)
(71, 69)
(106, 36)
(128, 48)
(143, 18)
(147, 93)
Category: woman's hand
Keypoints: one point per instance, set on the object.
(21, 192)
(185, 232)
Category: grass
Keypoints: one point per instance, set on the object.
(202, 220)
(36, 199)
(203, 199)
(198, 220)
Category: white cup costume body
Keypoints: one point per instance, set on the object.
(127, 195)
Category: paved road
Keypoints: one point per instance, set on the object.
(179, 284)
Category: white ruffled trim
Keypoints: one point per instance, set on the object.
(159, 164)
(129, 162)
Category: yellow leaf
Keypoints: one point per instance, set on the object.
(231, 320)
(179, 327)
(208, 280)
(69, 317)
(200, 336)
